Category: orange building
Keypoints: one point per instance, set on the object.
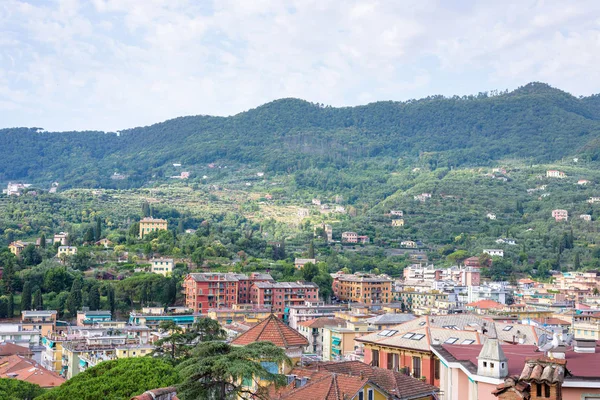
(362, 288)
(150, 224)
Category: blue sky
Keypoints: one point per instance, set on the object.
(115, 64)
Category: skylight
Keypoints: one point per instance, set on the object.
(408, 335)
(507, 328)
(467, 341)
(451, 340)
(422, 323)
(418, 336)
(383, 333)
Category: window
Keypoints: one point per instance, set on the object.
(491, 365)
(546, 390)
(539, 390)
(467, 341)
(416, 367)
(396, 358)
(418, 336)
(370, 394)
(507, 328)
(390, 362)
(436, 369)
(375, 361)
(361, 395)
(451, 340)
(485, 364)
(408, 335)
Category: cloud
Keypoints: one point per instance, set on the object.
(114, 64)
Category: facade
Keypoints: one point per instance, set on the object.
(494, 252)
(62, 238)
(153, 316)
(311, 310)
(555, 174)
(339, 340)
(398, 222)
(312, 330)
(66, 251)
(362, 288)
(408, 243)
(350, 237)
(300, 262)
(150, 224)
(17, 247)
(14, 333)
(585, 217)
(91, 318)
(41, 321)
(279, 296)
(560, 215)
(162, 266)
(204, 291)
(243, 313)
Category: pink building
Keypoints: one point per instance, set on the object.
(560, 215)
(282, 295)
(350, 237)
(493, 371)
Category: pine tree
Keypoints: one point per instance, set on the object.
(75, 297)
(38, 300)
(11, 306)
(89, 235)
(26, 297)
(94, 298)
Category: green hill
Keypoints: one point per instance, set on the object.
(536, 123)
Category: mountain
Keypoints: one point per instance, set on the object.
(536, 123)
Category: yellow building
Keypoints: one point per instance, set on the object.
(43, 321)
(338, 341)
(150, 224)
(162, 266)
(17, 247)
(397, 222)
(52, 356)
(362, 288)
(247, 313)
(66, 251)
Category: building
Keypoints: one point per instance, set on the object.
(42, 321)
(274, 330)
(349, 237)
(339, 340)
(150, 224)
(422, 197)
(17, 247)
(28, 370)
(66, 251)
(242, 313)
(303, 212)
(504, 371)
(153, 316)
(363, 239)
(398, 222)
(491, 216)
(585, 217)
(583, 182)
(312, 330)
(91, 318)
(300, 262)
(15, 333)
(15, 189)
(204, 291)
(408, 243)
(362, 288)
(397, 213)
(485, 307)
(560, 215)
(280, 296)
(62, 238)
(494, 252)
(311, 310)
(555, 174)
(594, 200)
(162, 266)
(408, 345)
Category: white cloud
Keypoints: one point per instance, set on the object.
(113, 64)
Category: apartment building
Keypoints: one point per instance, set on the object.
(362, 288)
(162, 266)
(282, 295)
(42, 321)
(150, 224)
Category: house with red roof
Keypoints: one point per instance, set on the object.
(485, 306)
(28, 370)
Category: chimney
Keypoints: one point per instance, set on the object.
(585, 346)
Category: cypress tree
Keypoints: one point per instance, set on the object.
(98, 231)
(38, 300)
(43, 241)
(75, 298)
(94, 298)
(311, 250)
(110, 294)
(26, 297)
(11, 306)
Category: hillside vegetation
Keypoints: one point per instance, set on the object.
(535, 123)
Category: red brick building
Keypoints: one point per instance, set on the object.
(214, 290)
(281, 295)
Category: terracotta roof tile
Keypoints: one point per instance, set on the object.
(326, 386)
(486, 304)
(322, 321)
(273, 330)
(25, 369)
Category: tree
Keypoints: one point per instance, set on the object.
(94, 298)
(89, 235)
(309, 271)
(145, 209)
(175, 345)
(10, 308)
(74, 300)
(8, 276)
(457, 257)
(14, 389)
(110, 296)
(324, 281)
(311, 250)
(207, 330)
(26, 297)
(38, 301)
(43, 241)
(116, 380)
(98, 230)
(31, 256)
(576, 262)
(218, 370)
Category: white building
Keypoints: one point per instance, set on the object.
(555, 174)
(494, 252)
(560, 215)
(491, 216)
(586, 217)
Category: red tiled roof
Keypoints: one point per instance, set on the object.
(169, 393)
(322, 321)
(551, 321)
(486, 304)
(274, 330)
(579, 364)
(25, 369)
(9, 349)
(326, 386)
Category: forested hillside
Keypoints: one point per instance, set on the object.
(536, 123)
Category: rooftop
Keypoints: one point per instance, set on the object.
(25, 369)
(322, 321)
(274, 330)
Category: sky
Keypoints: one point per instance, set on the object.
(116, 64)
